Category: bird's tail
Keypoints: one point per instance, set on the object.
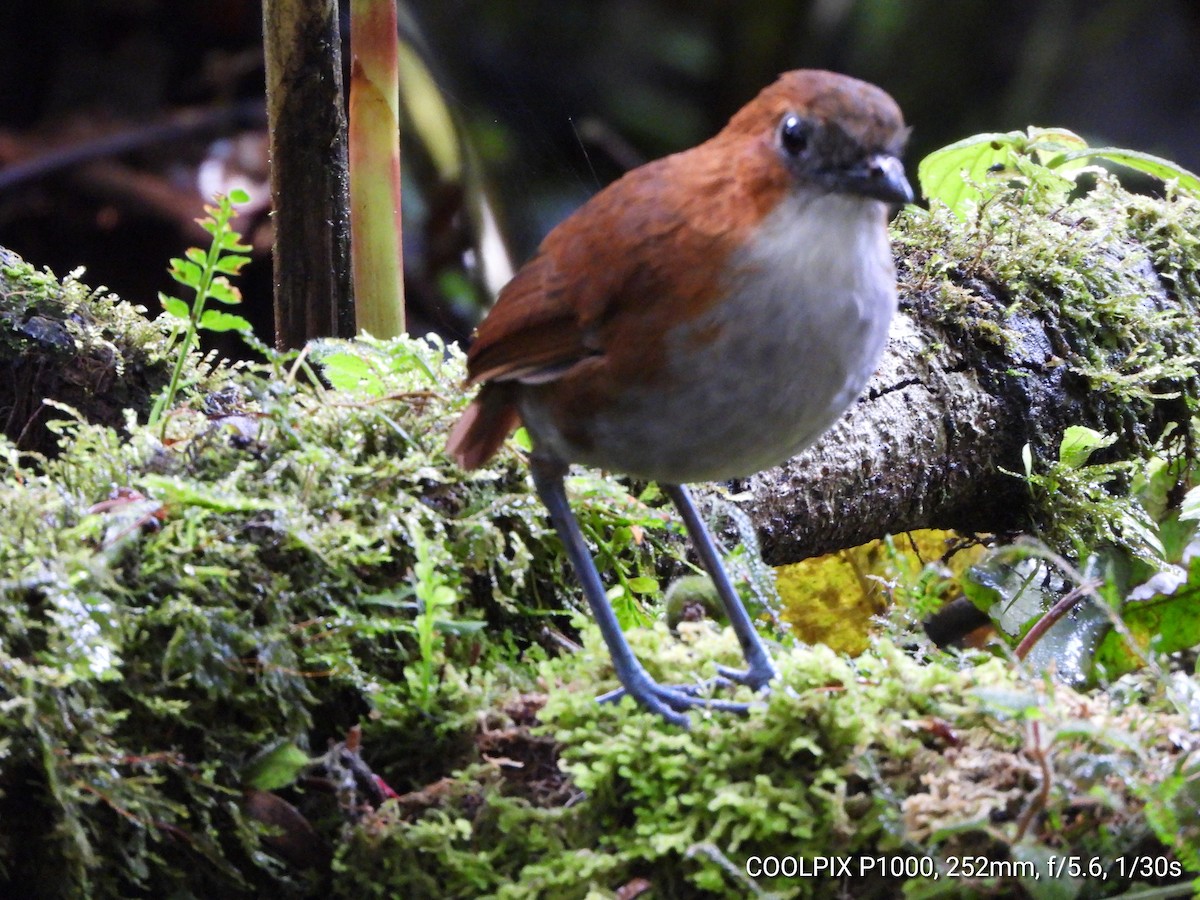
(484, 425)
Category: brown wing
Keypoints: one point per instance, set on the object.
(532, 328)
(604, 257)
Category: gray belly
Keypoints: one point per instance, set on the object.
(763, 391)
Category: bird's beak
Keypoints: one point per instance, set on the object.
(880, 176)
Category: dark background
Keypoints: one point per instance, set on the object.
(556, 96)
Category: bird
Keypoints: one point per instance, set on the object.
(706, 316)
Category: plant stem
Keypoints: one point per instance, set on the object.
(221, 216)
(376, 248)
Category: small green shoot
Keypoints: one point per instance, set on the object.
(435, 597)
(205, 274)
(1089, 506)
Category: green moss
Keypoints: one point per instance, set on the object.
(886, 757)
(64, 341)
(172, 609)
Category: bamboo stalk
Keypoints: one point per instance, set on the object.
(376, 249)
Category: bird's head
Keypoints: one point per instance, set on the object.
(824, 132)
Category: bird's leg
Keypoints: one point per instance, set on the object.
(760, 668)
(666, 700)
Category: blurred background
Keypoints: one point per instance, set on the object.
(118, 117)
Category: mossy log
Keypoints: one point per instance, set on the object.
(1014, 325)
(64, 342)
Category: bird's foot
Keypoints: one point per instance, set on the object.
(671, 700)
(757, 676)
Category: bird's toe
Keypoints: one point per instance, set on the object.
(671, 701)
(756, 677)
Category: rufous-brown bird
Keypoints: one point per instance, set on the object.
(706, 316)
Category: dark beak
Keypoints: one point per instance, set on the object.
(880, 176)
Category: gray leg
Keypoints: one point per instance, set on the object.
(760, 668)
(667, 701)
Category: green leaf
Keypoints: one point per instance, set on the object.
(650, 493)
(1045, 141)
(973, 169)
(1163, 624)
(223, 292)
(1190, 508)
(215, 320)
(185, 272)
(350, 372)
(643, 584)
(231, 264)
(276, 768)
(174, 306)
(238, 196)
(196, 255)
(1009, 584)
(1142, 162)
(232, 241)
(522, 439)
(946, 174)
(1079, 443)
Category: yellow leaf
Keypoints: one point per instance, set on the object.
(831, 599)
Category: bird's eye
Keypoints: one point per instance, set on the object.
(793, 134)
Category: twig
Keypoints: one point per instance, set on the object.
(1056, 612)
(176, 127)
(1039, 801)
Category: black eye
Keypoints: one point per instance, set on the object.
(793, 134)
